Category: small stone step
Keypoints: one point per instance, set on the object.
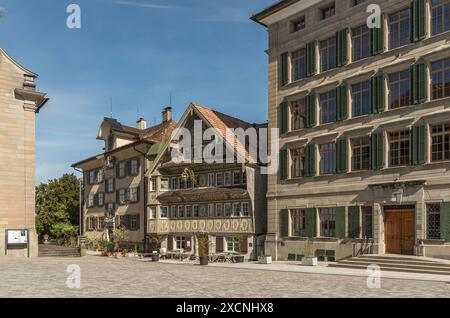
(387, 262)
(393, 269)
(398, 265)
(58, 251)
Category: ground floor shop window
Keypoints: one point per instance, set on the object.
(180, 242)
(232, 244)
(298, 222)
(434, 221)
(328, 222)
(367, 222)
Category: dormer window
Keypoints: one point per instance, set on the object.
(110, 142)
(328, 12)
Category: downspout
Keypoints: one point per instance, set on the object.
(80, 197)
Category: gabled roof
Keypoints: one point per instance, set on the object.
(278, 6)
(25, 70)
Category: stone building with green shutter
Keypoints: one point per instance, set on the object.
(364, 119)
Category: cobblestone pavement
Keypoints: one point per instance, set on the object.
(107, 277)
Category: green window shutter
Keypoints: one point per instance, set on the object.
(445, 221)
(418, 83)
(283, 164)
(284, 68)
(418, 148)
(311, 59)
(341, 103)
(341, 156)
(283, 117)
(310, 111)
(311, 219)
(418, 20)
(377, 38)
(341, 49)
(310, 163)
(354, 227)
(284, 223)
(377, 151)
(340, 222)
(377, 94)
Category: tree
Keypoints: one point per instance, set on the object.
(57, 208)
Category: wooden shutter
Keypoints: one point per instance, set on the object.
(377, 94)
(310, 160)
(138, 221)
(284, 223)
(418, 20)
(310, 111)
(128, 168)
(341, 103)
(138, 194)
(418, 83)
(377, 38)
(170, 243)
(340, 222)
(283, 164)
(354, 227)
(341, 156)
(219, 244)
(244, 245)
(284, 68)
(445, 221)
(418, 148)
(311, 68)
(311, 220)
(377, 151)
(188, 243)
(341, 48)
(283, 117)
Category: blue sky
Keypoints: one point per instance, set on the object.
(135, 52)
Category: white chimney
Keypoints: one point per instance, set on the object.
(141, 124)
(167, 114)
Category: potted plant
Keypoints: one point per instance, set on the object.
(265, 259)
(239, 258)
(155, 256)
(103, 247)
(309, 259)
(110, 249)
(203, 248)
(125, 252)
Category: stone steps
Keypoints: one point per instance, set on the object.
(58, 251)
(396, 264)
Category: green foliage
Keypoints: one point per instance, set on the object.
(57, 208)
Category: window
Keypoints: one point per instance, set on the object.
(110, 185)
(328, 107)
(244, 177)
(440, 79)
(440, 142)
(174, 183)
(360, 42)
(399, 29)
(297, 163)
(110, 209)
(227, 177)
(328, 54)
(328, 12)
(181, 211)
(433, 221)
(122, 169)
(92, 177)
(153, 185)
(91, 201)
(100, 176)
(298, 114)
(134, 222)
(133, 194)
(236, 177)
(211, 182)
(164, 212)
(367, 222)
(110, 142)
(246, 209)
(188, 210)
(440, 12)
(399, 89)
(233, 244)
(298, 62)
(219, 210)
(399, 146)
(236, 209)
(328, 222)
(361, 99)
(122, 196)
(361, 153)
(327, 159)
(173, 212)
(219, 179)
(227, 209)
(91, 225)
(180, 242)
(298, 222)
(298, 24)
(135, 167)
(164, 185)
(100, 199)
(189, 184)
(211, 210)
(195, 210)
(153, 212)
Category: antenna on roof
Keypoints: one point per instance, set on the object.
(111, 108)
(170, 99)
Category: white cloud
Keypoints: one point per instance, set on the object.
(145, 5)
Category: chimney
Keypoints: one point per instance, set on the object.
(167, 114)
(141, 124)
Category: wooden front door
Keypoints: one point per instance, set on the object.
(399, 230)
